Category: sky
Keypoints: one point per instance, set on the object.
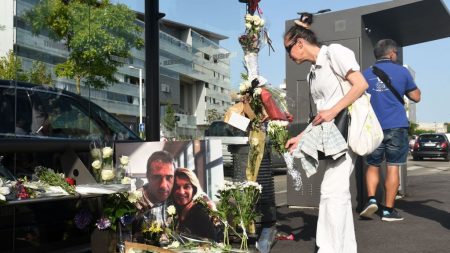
(429, 60)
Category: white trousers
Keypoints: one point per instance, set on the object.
(335, 229)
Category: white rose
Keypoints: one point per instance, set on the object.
(257, 22)
(107, 175)
(284, 123)
(248, 25)
(107, 152)
(4, 190)
(257, 29)
(171, 210)
(283, 95)
(262, 23)
(95, 153)
(242, 88)
(96, 164)
(124, 160)
(248, 17)
(125, 180)
(134, 196)
(258, 91)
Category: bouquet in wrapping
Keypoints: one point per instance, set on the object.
(259, 102)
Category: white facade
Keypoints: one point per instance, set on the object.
(410, 106)
(194, 74)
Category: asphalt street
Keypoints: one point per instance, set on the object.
(425, 207)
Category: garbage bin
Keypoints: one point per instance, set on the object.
(266, 203)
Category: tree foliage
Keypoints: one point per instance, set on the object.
(170, 121)
(11, 69)
(98, 34)
(213, 115)
(412, 128)
(39, 75)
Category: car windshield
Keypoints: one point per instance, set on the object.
(432, 138)
(220, 128)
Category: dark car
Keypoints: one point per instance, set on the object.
(36, 111)
(42, 126)
(431, 146)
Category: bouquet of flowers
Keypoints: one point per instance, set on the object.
(251, 39)
(118, 207)
(103, 165)
(5, 189)
(259, 102)
(156, 233)
(236, 209)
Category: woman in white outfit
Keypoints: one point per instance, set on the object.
(335, 230)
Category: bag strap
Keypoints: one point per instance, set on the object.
(387, 81)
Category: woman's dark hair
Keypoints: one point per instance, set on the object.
(301, 29)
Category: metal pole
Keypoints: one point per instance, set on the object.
(152, 120)
(140, 96)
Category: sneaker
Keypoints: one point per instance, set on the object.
(370, 208)
(392, 216)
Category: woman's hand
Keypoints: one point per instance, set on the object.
(324, 116)
(292, 143)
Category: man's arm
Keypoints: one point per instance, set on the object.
(414, 95)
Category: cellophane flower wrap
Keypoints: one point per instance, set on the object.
(236, 209)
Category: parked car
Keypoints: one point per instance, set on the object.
(36, 111)
(52, 128)
(431, 146)
(48, 119)
(230, 135)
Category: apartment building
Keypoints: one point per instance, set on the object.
(194, 69)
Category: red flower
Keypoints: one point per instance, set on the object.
(70, 180)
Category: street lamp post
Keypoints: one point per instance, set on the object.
(141, 131)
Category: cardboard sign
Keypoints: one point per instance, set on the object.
(239, 121)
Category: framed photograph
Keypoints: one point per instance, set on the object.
(203, 157)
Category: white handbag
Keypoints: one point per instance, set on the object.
(364, 133)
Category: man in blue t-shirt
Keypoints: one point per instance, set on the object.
(392, 116)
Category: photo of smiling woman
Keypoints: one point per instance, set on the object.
(193, 218)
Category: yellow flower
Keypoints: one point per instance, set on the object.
(107, 152)
(107, 175)
(96, 164)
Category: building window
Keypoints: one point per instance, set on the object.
(206, 85)
(206, 99)
(206, 56)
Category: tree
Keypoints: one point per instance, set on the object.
(447, 125)
(11, 68)
(170, 121)
(98, 34)
(412, 128)
(213, 115)
(39, 75)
